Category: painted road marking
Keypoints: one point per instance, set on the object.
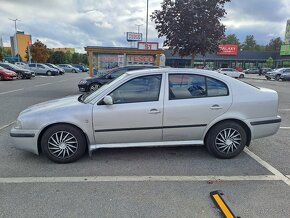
(44, 84)
(16, 90)
(284, 109)
(7, 125)
(137, 179)
(284, 127)
(273, 170)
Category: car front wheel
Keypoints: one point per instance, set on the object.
(94, 87)
(63, 143)
(19, 76)
(226, 140)
(241, 76)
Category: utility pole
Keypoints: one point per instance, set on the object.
(146, 26)
(138, 30)
(16, 41)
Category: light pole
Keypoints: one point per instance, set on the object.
(146, 26)
(138, 30)
(16, 41)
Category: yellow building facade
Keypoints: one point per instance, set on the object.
(19, 43)
(71, 50)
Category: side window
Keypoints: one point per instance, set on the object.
(40, 66)
(140, 89)
(216, 88)
(32, 65)
(184, 86)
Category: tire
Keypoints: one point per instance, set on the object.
(268, 78)
(277, 77)
(20, 76)
(222, 146)
(63, 143)
(74, 71)
(241, 76)
(94, 86)
(1, 78)
(48, 73)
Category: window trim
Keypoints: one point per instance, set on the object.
(206, 86)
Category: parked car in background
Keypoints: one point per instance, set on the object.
(21, 72)
(265, 70)
(80, 67)
(91, 84)
(252, 71)
(60, 70)
(285, 76)
(7, 74)
(22, 65)
(275, 74)
(231, 72)
(154, 107)
(42, 69)
(69, 68)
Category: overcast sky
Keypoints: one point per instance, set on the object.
(80, 23)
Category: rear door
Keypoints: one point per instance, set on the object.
(191, 102)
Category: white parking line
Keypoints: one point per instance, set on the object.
(273, 170)
(284, 127)
(16, 90)
(44, 84)
(7, 125)
(283, 109)
(137, 179)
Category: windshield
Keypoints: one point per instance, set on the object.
(1, 68)
(100, 90)
(15, 67)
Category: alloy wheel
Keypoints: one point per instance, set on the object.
(228, 140)
(62, 144)
(94, 87)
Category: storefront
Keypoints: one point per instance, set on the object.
(102, 59)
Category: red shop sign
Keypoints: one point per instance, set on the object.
(228, 50)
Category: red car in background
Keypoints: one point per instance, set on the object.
(7, 74)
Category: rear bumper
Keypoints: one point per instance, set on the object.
(264, 127)
(25, 139)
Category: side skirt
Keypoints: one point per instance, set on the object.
(144, 144)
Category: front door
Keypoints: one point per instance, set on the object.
(136, 114)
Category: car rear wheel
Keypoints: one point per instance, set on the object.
(1, 78)
(94, 87)
(19, 76)
(241, 76)
(226, 140)
(63, 143)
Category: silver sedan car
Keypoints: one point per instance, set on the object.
(154, 107)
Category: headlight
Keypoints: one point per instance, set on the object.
(18, 124)
(82, 82)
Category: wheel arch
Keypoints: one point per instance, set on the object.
(240, 122)
(61, 123)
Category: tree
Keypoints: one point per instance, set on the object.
(269, 62)
(39, 52)
(274, 44)
(57, 57)
(190, 27)
(249, 43)
(231, 39)
(76, 58)
(68, 57)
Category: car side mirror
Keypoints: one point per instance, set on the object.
(108, 100)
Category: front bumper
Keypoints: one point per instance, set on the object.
(25, 139)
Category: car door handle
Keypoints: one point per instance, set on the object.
(216, 107)
(154, 111)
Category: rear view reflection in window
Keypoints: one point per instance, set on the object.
(216, 88)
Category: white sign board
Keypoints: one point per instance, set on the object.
(134, 36)
(148, 45)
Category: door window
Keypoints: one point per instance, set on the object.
(140, 89)
(184, 86)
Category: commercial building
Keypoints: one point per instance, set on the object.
(71, 50)
(19, 43)
(103, 58)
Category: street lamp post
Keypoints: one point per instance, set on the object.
(16, 41)
(146, 27)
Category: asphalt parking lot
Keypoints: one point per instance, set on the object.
(139, 182)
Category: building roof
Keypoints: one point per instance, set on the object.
(241, 56)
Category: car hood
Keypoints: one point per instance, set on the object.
(53, 105)
(9, 71)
